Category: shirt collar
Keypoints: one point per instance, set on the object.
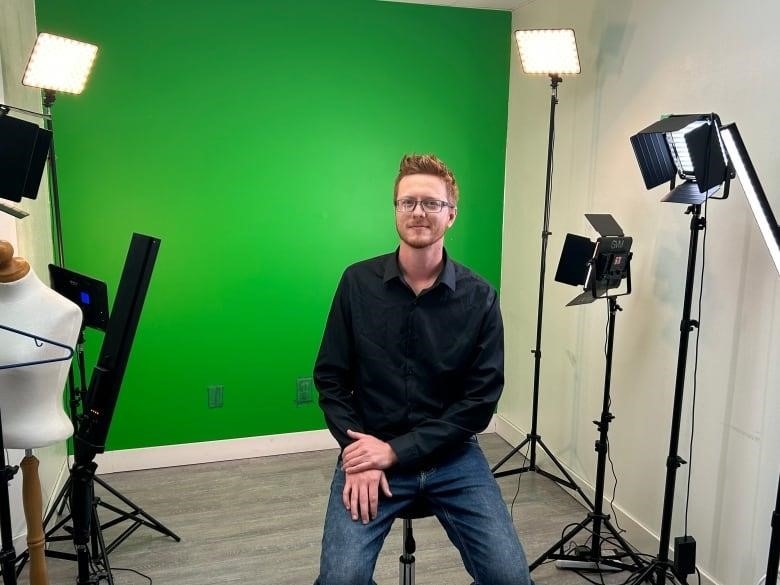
(392, 270)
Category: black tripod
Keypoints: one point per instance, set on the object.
(774, 544)
(7, 554)
(593, 558)
(85, 477)
(661, 565)
(534, 438)
(100, 550)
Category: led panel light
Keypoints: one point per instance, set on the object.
(551, 51)
(687, 145)
(679, 148)
(59, 64)
(748, 178)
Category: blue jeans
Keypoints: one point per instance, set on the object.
(462, 494)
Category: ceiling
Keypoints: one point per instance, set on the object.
(486, 4)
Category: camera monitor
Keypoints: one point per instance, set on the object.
(86, 292)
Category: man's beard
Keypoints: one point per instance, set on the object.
(420, 243)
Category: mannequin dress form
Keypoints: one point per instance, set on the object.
(31, 403)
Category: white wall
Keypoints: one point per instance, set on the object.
(31, 236)
(639, 60)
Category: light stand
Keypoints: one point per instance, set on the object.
(7, 554)
(594, 559)
(534, 47)
(688, 146)
(774, 544)
(100, 401)
(661, 565)
(698, 149)
(534, 438)
(59, 257)
(600, 267)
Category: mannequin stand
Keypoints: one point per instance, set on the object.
(33, 513)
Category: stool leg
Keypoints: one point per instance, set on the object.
(406, 567)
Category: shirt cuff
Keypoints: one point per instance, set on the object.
(405, 449)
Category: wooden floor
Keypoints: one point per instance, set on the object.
(259, 522)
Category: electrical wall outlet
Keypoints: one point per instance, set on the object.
(216, 396)
(304, 391)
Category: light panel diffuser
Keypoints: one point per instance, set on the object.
(548, 51)
(59, 64)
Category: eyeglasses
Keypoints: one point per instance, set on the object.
(427, 205)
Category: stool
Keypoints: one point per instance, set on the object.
(419, 509)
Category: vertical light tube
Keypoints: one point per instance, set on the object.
(759, 204)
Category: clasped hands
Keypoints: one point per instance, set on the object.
(364, 462)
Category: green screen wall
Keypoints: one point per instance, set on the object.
(260, 140)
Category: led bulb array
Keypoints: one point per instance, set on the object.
(550, 51)
(59, 64)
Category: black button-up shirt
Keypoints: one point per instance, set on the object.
(423, 373)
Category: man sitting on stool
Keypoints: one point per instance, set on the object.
(410, 369)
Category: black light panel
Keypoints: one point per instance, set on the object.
(23, 150)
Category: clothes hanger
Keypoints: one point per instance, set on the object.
(37, 339)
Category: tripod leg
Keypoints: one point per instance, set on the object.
(511, 454)
(82, 496)
(59, 504)
(656, 572)
(7, 554)
(566, 538)
(136, 511)
(623, 544)
(571, 483)
(100, 543)
(532, 439)
(94, 531)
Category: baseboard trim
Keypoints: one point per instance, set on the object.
(637, 534)
(213, 451)
(224, 450)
